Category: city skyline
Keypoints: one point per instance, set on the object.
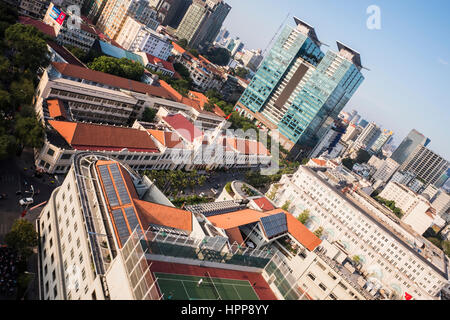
(399, 30)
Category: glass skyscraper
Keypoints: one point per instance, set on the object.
(299, 90)
(408, 145)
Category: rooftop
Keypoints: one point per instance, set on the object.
(167, 138)
(157, 61)
(40, 25)
(85, 136)
(77, 72)
(264, 204)
(183, 127)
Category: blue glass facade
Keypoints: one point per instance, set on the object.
(278, 62)
(330, 83)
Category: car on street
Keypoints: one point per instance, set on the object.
(214, 191)
(26, 201)
(202, 194)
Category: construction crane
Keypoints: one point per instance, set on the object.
(275, 35)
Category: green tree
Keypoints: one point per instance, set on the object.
(7, 146)
(356, 259)
(28, 47)
(182, 70)
(446, 247)
(219, 56)
(286, 205)
(22, 91)
(241, 72)
(362, 157)
(194, 52)
(123, 67)
(318, 233)
(77, 52)
(149, 115)
(183, 43)
(303, 217)
(437, 242)
(348, 163)
(30, 132)
(22, 237)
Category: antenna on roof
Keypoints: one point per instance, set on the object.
(275, 35)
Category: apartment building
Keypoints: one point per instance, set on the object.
(135, 36)
(441, 203)
(33, 8)
(386, 170)
(397, 259)
(157, 64)
(115, 13)
(68, 34)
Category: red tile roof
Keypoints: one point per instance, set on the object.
(111, 80)
(65, 54)
(183, 127)
(157, 61)
(85, 136)
(234, 235)
(264, 204)
(152, 213)
(320, 162)
(40, 25)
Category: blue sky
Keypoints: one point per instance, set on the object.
(408, 85)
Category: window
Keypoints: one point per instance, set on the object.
(322, 286)
(311, 276)
(50, 152)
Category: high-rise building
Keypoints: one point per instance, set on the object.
(386, 170)
(299, 90)
(116, 12)
(380, 142)
(363, 123)
(408, 145)
(135, 36)
(170, 10)
(441, 203)
(368, 136)
(252, 59)
(352, 133)
(442, 180)
(202, 22)
(427, 165)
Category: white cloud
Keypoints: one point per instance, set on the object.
(442, 61)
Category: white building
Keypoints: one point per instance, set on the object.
(252, 59)
(417, 210)
(391, 253)
(135, 36)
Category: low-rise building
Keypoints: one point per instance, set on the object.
(156, 64)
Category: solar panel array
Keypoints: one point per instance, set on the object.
(109, 187)
(120, 184)
(121, 225)
(274, 225)
(132, 218)
(116, 189)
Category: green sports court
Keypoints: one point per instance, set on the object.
(186, 287)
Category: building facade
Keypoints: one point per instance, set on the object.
(408, 145)
(284, 94)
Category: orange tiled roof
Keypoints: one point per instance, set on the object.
(239, 218)
(167, 138)
(183, 126)
(56, 109)
(301, 233)
(248, 147)
(85, 136)
(152, 213)
(178, 48)
(111, 80)
(319, 162)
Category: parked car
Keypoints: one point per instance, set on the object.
(26, 201)
(202, 194)
(214, 191)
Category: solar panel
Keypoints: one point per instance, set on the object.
(120, 184)
(132, 219)
(109, 187)
(121, 225)
(274, 225)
